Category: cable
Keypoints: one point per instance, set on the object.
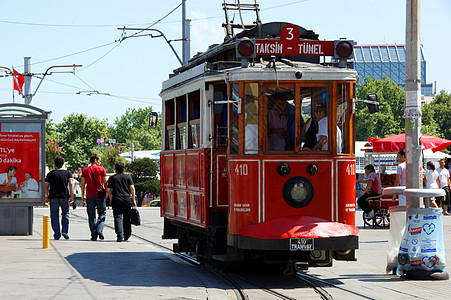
(158, 21)
(99, 58)
(72, 54)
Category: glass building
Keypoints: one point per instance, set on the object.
(388, 60)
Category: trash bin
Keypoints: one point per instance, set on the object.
(397, 226)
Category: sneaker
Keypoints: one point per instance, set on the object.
(119, 240)
(370, 215)
(100, 234)
(65, 235)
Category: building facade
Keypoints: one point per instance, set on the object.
(388, 60)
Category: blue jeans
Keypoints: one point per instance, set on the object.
(95, 225)
(54, 216)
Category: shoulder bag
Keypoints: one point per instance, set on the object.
(101, 193)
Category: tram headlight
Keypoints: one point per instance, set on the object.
(343, 49)
(298, 191)
(245, 48)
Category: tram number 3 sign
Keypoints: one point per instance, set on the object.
(301, 245)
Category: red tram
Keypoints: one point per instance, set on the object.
(239, 179)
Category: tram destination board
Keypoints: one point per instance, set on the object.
(301, 245)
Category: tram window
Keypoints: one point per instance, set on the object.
(182, 133)
(315, 132)
(170, 125)
(281, 117)
(342, 118)
(251, 118)
(194, 119)
(234, 137)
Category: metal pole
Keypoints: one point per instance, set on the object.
(412, 106)
(132, 150)
(27, 81)
(185, 35)
(45, 231)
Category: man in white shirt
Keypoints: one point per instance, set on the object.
(30, 186)
(445, 183)
(323, 131)
(400, 179)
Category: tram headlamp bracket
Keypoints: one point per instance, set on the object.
(372, 102)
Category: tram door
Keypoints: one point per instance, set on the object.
(219, 145)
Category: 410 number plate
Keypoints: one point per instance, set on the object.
(301, 245)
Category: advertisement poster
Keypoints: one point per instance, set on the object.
(20, 166)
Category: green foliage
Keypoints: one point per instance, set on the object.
(142, 170)
(388, 121)
(133, 127)
(110, 155)
(52, 149)
(436, 118)
(78, 136)
(144, 175)
(150, 186)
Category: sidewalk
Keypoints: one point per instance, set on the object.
(83, 269)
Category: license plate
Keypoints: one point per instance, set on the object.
(301, 245)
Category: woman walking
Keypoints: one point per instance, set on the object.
(122, 194)
(432, 180)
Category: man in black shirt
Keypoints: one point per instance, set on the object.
(122, 193)
(56, 183)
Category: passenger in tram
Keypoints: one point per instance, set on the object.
(372, 189)
(277, 124)
(308, 133)
(323, 131)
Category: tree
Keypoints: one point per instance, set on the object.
(78, 136)
(133, 127)
(144, 175)
(436, 119)
(389, 120)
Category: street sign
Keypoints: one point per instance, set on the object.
(303, 47)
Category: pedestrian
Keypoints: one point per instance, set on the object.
(400, 179)
(93, 178)
(56, 192)
(372, 189)
(122, 193)
(432, 181)
(445, 183)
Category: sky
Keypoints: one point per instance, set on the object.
(129, 74)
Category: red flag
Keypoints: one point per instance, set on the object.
(20, 80)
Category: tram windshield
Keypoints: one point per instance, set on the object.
(290, 118)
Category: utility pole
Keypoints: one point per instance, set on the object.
(412, 108)
(185, 35)
(28, 97)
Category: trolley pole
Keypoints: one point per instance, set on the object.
(412, 106)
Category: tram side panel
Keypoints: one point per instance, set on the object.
(345, 185)
(184, 186)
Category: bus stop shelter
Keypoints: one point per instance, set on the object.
(22, 166)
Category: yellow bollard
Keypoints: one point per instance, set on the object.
(45, 231)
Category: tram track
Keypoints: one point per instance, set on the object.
(232, 281)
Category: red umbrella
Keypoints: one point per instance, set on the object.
(397, 142)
